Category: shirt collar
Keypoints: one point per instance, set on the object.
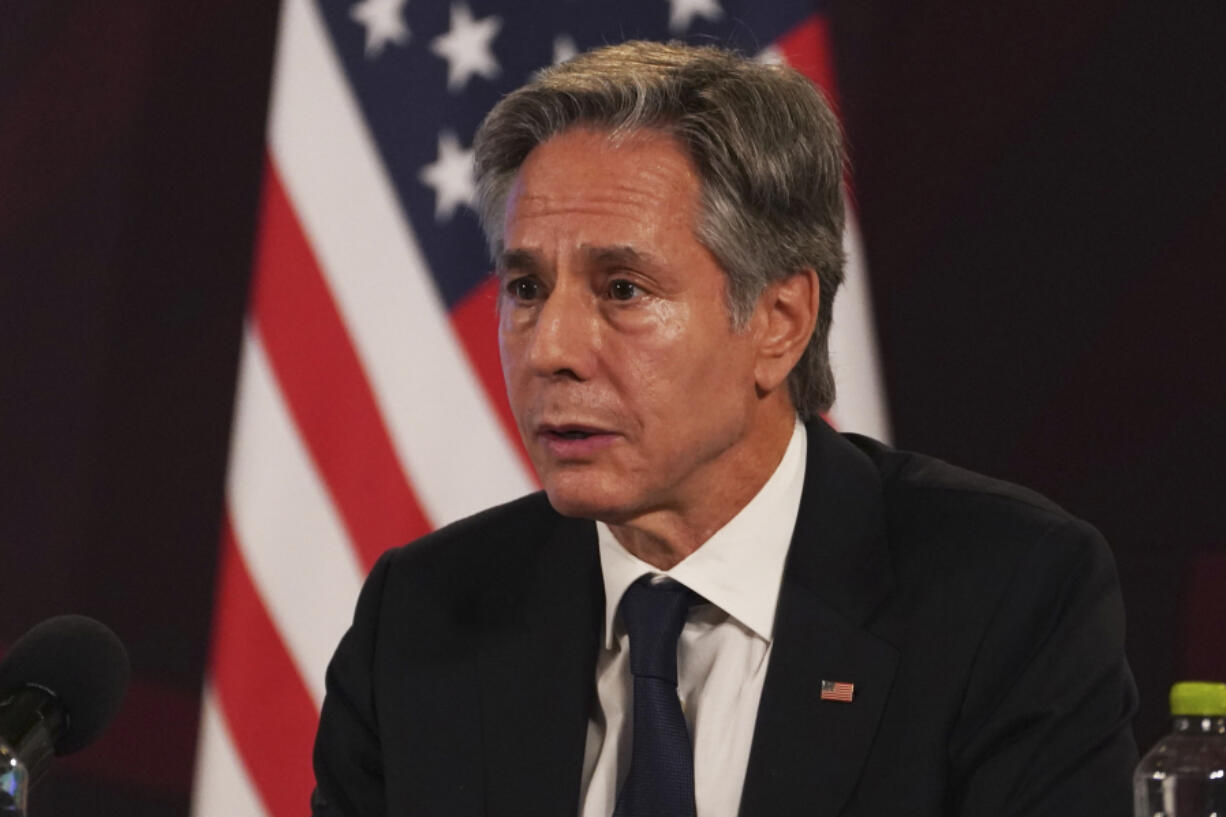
(739, 569)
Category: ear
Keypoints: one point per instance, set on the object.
(787, 311)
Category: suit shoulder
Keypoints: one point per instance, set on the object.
(503, 532)
(465, 575)
(908, 476)
(940, 514)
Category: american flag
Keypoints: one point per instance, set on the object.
(370, 402)
(837, 691)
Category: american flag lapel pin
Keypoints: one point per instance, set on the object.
(838, 691)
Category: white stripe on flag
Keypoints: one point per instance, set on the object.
(861, 405)
(221, 785)
(448, 438)
(287, 530)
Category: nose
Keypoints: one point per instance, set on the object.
(565, 336)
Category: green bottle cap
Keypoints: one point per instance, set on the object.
(1198, 698)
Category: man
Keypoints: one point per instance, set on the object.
(765, 617)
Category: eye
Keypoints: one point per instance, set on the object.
(622, 290)
(524, 288)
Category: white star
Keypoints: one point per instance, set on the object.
(451, 176)
(681, 13)
(563, 48)
(771, 55)
(466, 47)
(383, 22)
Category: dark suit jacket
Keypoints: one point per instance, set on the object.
(981, 625)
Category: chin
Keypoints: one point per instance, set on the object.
(583, 499)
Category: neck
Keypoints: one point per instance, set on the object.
(663, 537)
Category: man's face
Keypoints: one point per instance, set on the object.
(630, 387)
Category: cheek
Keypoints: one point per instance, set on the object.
(667, 373)
(686, 346)
(515, 384)
(644, 354)
(510, 340)
(506, 356)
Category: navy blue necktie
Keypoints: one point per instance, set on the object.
(660, 782)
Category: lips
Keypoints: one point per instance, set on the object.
(574, 440)
(570, 431)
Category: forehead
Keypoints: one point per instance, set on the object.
(644, 178)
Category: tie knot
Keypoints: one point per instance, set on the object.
(654, 614)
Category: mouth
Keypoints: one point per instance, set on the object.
(570, 432)
(574, 440)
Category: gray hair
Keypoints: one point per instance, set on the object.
(767, 147)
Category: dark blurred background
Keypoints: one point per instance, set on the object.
(1042, 192)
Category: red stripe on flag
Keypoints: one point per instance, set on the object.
(325, 386)
(266, 706)
(807, 49)
(475, 321)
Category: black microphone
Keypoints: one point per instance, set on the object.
(60, 685)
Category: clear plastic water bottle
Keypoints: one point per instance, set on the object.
(1185, 774)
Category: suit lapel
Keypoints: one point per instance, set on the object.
(538, 679)
(807, 753)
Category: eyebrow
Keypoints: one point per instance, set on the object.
(608, 256)
(621, 254)
(517, 260)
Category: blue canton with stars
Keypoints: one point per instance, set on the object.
(425, 72)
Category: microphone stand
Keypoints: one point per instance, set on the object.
(14, 783)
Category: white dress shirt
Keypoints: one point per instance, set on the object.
(723, 652)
